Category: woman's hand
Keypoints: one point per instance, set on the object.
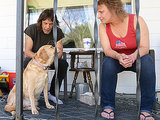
(125, 60)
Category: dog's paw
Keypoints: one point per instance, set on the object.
(35, 112)
(50, 106)
(13, 113)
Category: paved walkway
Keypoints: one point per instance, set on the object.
(75, 110)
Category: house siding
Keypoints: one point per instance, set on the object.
(149, 10)
(8, 35)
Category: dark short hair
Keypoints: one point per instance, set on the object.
(46, 14)
(116, 5)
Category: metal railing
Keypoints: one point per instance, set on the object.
(19, 58)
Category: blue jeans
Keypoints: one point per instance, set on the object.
(110, 69)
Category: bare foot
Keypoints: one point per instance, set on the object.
(108, 113)
(146, 116)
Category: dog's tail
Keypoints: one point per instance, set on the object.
(10, 108)
(11, 101)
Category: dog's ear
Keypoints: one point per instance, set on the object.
(35, 56)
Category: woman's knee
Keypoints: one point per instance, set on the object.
(147, 65)
(147, 62)
(109, 64)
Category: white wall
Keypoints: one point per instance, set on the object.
(8, 35)
(149, 10)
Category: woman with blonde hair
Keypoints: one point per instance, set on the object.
(117, 32)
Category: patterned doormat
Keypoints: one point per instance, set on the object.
(73, 109)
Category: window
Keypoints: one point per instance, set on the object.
(76, 18)
(76, 25)
(128, 5)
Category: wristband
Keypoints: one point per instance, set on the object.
(132, 58)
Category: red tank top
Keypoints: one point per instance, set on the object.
(126, 44)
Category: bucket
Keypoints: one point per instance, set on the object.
(81, 88)
(12, 79)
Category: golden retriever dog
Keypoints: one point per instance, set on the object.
(35, 80)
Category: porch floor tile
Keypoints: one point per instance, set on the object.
(73, 109)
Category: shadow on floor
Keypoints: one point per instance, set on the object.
(75, 110)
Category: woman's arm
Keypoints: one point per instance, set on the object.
(105, 43)
(144, 37)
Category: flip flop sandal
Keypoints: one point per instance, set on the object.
(145, 116)
(109, 115)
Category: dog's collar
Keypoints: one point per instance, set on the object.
(40, 65)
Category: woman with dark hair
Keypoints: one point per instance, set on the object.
(117, 32)
(40, 34)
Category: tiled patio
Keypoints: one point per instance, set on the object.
(75, 110)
